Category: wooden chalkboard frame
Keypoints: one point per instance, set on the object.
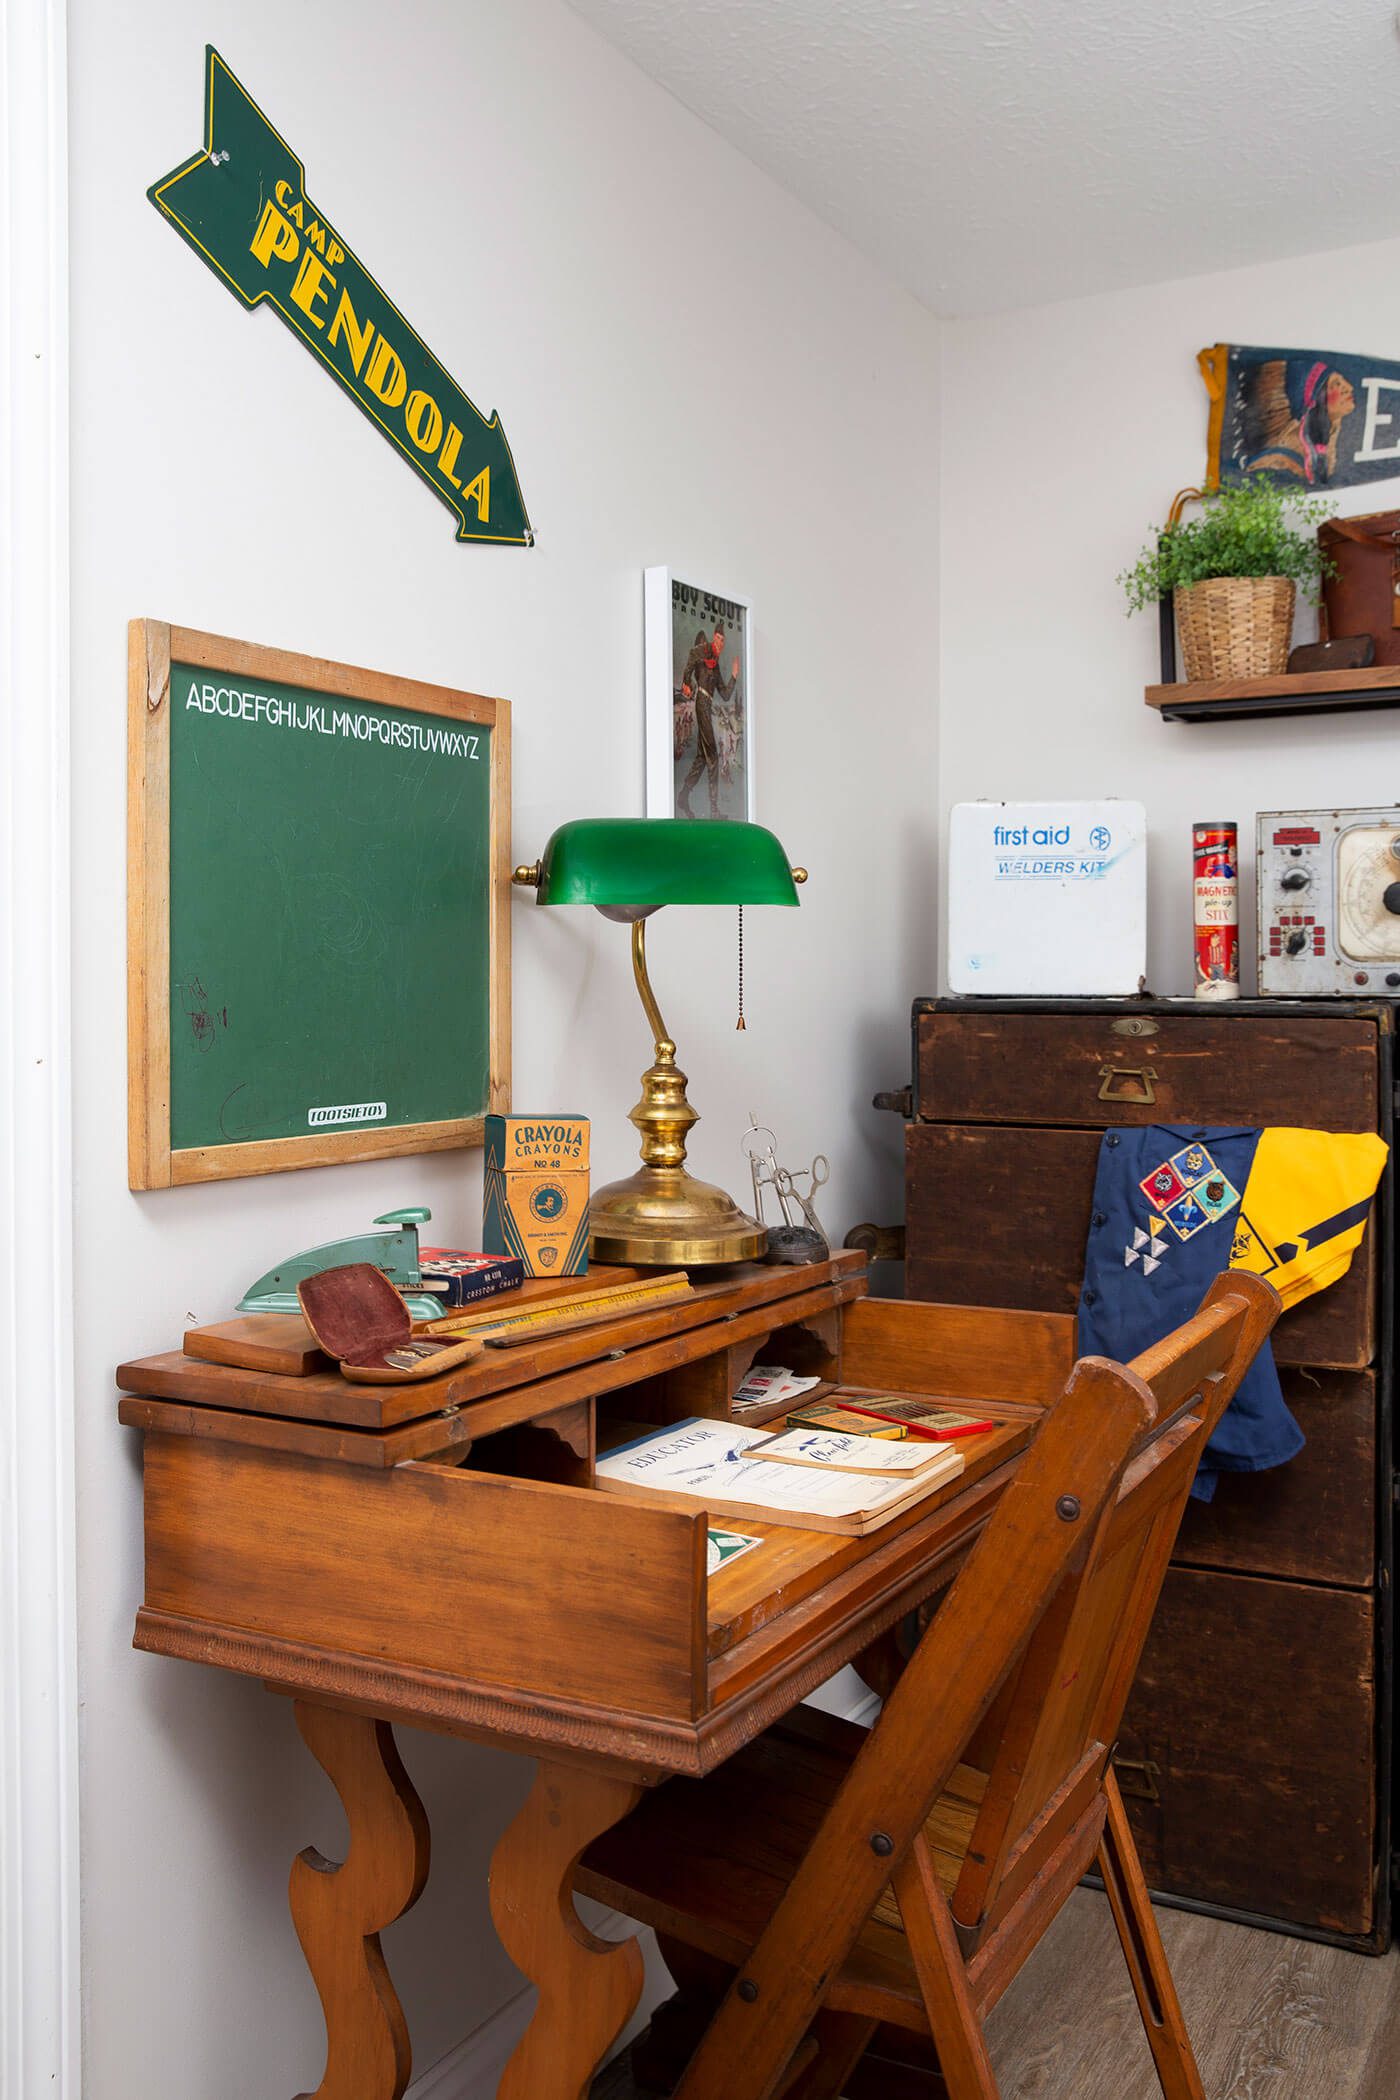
(152, 646)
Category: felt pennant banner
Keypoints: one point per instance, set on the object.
(1319, 419)
(241, 203)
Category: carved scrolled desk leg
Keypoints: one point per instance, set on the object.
(588, 1987)
(340, 1910)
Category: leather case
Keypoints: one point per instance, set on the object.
(359, 1318)
(1364, 595)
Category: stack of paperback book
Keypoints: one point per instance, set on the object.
(816, 1479)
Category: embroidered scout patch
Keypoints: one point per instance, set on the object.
(1190, 1191)
(1215, 1195)
(1163, 1185)
(1186, 1216)
(1147, 1247)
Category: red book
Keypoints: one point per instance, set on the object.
(937, 1424)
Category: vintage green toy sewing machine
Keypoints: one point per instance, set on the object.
(395, 1252)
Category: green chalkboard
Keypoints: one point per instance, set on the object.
(333, 961)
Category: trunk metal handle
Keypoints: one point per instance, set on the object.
(1131, 1083)
(1138, 1777)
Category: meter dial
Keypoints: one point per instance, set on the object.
(1368, 893)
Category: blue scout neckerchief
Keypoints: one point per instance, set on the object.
(1166, 1206)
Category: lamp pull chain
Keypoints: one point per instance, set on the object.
(741, 1022)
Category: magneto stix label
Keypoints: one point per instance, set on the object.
(1216, 885)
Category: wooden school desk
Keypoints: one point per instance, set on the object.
(437, 1554)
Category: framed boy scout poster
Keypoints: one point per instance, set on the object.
(699, 700)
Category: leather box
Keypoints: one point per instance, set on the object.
(1364, 595)
(359, 1318)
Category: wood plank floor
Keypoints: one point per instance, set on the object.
(1271, 2018)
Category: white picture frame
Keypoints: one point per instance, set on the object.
(718, 769)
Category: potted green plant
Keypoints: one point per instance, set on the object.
(1235, 572)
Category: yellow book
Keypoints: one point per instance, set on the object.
(829, 1414)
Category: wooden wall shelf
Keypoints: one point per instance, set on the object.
(1301, 693)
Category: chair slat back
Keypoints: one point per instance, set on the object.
(1067, 1692)
(1200, 1352)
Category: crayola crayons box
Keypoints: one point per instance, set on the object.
(536, 1195)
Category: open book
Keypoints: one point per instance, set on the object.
(721, 1467)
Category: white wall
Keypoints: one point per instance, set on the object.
(1066, 432)
(692, 370)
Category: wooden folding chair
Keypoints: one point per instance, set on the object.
(851, 1879)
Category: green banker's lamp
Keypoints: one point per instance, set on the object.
(628, 867)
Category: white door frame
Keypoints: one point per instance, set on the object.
(40, 2013)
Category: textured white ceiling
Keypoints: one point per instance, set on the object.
(999, 155)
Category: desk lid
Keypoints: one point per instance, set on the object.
(517, 1375)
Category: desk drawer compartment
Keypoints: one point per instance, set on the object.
(1000, 1216)
(1101, 1068)
(1247, 1756)
(811, 1348)
(434, 1567)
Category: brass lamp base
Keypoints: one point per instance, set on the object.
(663, 1216)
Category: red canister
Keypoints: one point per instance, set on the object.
(1216, 859)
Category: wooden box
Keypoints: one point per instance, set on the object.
(1314, 1520)
(1257, 1757)
(1000, 1216)
(1112, 1061)
(1247, 1759)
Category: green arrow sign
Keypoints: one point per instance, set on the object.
(242, 204)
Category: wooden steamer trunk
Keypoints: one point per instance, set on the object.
(1257, 1753)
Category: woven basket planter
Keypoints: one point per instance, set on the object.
(1235, 626)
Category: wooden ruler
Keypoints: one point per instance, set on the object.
(538, 1323)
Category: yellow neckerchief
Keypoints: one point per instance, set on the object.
(1305, 1207)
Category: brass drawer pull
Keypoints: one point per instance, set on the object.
(1137, 1776)
(1133, 1083)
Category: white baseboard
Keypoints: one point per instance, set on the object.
(472, 2070)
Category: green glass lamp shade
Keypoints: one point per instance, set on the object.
(627, 863)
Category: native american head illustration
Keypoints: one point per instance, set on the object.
(1291, 411)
